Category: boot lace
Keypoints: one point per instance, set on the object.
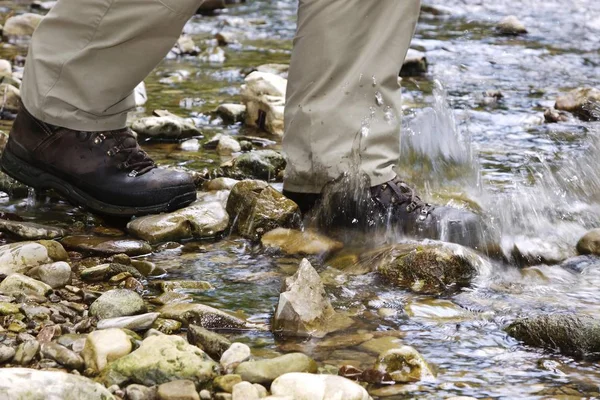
(136, 160)
(397, 193)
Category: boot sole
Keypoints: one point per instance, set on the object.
(32, 176)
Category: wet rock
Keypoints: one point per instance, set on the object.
(291, 241)
(18, 284)
(584, 102)
(14, 188)
(212, 343)
(589, 243)
(56, 275)
(266, 371)
(9, 308)
(528, 251)
(258, 208)
(431, 268)
(232, 112)
(415, 64)
(275, 69)
(178, 390)
(580, 264)
(6, 353)
(21, 25)
(511, 26)
(5, 68)
(552, 116)
(221, 184)
(245, 391)
(26, 352)
(30, 230)
(171, 298)
(117, 303)
(135, 323)
(260, 164)
(213, 55)
(226, 38)
(573, 335)
(169, 286)
(11, 97)
(264, 97)
(304, 308)
(317, 387)
(381, 345)
(186, 46)
(403, 365)
(235, 355)
(226, 383)
(62, 355)
(167, 326)
(166, 127)
(102, 347)
(227, 146)
(106, 246)
(20, 257)
(199, 220)
(141, 392)
(161, 359)
(204, 316)
(104, 272)
(21, 384)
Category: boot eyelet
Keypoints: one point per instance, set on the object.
(133, 174)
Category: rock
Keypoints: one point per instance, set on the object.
(135, 323)
(205, 395)
(10, 97)
(511, 26)
(266, 371)
(573, 335)
(167, 127)
(21, 384)
(106, 246)
(9, 308)
(56, 275)
(204, 316)
(30, 230)
(403, 365)
(304, 308)
(227, 146)
(293, 242)
(169, 286)
(415, 64)
(161, 359)
(220, 184)
(18, 284)
(141, 392)
(276, 69)
(21, 25)
(527, 251)
(589, 243)
(190, 145)
(429, 268)
(6, 353)
(264, 97)
(235, 355)
(213, 55)
(381, 345)
(260, 164)
(104, 272)
(226, 38)
(117, 303)
(199, 220)
(167, 326)
(62, 355)
(186, 46)
(20, 257)
(552, 116)
(583, 102)
(226, 383)
(258, 208)
(5, 68)
(140, 94)
(245, 391)
(48, 333)
(178, 390)
(104, 346)
(232, 112)
(26, 352)
(300, 386)
(212, 343)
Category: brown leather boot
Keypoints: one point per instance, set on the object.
(107, 172)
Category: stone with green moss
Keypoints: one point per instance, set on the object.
(266, 371)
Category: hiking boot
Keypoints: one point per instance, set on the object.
(351, 202)
(105, 171)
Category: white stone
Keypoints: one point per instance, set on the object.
(236, 354)
(302, 386)
(56, 275)
(22, 25)
(264, 96)
(227, 146)
(11, 97)
(5, 68)
(245, 391)
(220, 184)
(104, 346)
(141, 96)
(19, 257)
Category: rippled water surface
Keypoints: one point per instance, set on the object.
(538, 182)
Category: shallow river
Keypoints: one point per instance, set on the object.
(539, 183)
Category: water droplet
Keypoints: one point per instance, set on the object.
(374, 81)
(379, 98)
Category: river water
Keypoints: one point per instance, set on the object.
(538, 182)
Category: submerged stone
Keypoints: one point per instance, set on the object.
(292, 241)
(106, 246)
(569, 334)
(30, 230)
(29, 384)
(304, 308)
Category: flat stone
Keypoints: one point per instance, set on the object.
(117, 303)
(415, 64)
(317, 387)
(17, 284)
(199, 220)
(204, 316)
(62, 355)
(169, 286)
(30, 230)
(104, 272)
(21, 384)
(232, 112)
(166, 127)
(135, 323)
(266, 371)
(106, 246)
(178, 390)
(293, 242)
(102, 347)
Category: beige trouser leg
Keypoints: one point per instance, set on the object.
(343, 90)
(87, 57)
